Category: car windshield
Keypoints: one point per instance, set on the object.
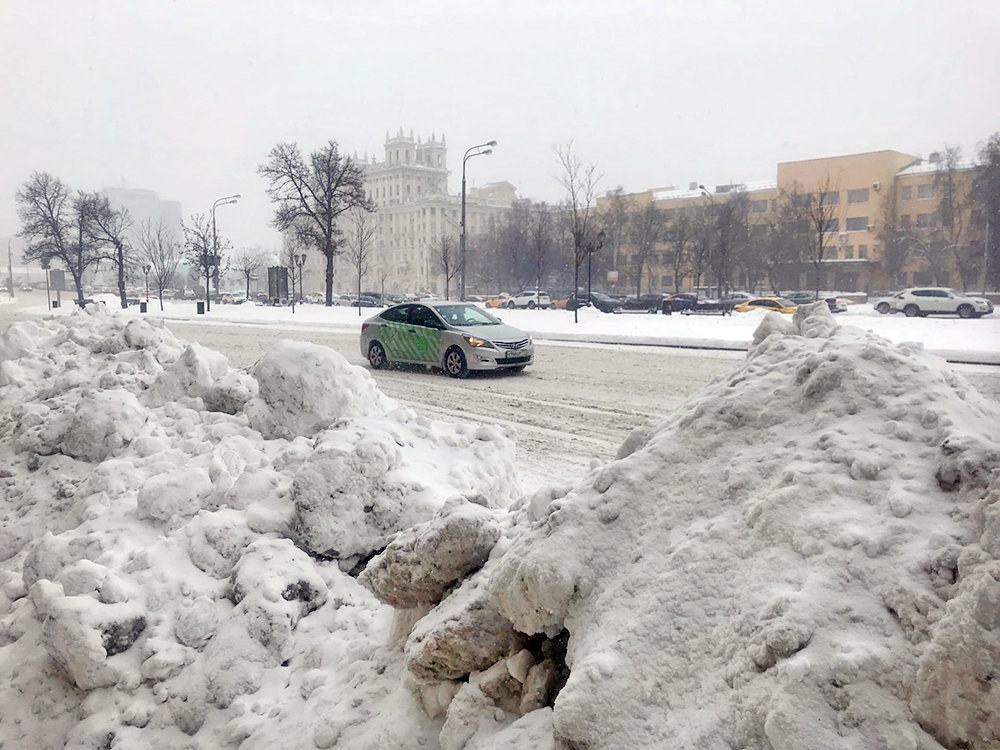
(466, 315)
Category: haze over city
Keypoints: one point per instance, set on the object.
(187, 99)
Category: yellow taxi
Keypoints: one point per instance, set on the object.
(774, 304)
(499, 301)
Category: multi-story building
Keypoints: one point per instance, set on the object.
(859, 193)
(409, 188)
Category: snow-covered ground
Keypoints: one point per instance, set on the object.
(805, 554)
(974, 341)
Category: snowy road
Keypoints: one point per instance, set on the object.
(576, 404)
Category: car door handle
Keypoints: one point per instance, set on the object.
(410, 330)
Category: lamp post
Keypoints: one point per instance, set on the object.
(594, 247)
(298, 261)
(145, 272)
(712, 200)
(45, 267)
(10, 271)
(468, 155)
(208, 263)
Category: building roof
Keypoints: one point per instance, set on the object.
(750, 187)
(931, 167)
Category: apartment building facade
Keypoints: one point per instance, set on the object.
(854, 190)
(414, 211)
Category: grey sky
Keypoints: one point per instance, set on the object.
(186, 98)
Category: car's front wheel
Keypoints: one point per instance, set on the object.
(531, 304)
(511, 305)
(376, 356)
(883, 307)
(455, 364)
(966, 311)
(911, 311)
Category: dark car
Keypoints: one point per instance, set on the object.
(366, 302)
(688, 303)
(651, 302)
(800, 298)
(602, 302)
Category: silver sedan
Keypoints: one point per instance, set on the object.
(455, 336)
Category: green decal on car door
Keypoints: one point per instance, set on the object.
(410, 342)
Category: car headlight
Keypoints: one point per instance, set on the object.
(478, 342)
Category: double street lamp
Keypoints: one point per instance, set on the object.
(474, 151)
(298, 261)
(212, 261)
(145, 272)
(711, 199)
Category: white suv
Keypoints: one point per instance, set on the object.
(530, 300)
(930, 300)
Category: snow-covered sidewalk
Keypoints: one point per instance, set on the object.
(971, 341)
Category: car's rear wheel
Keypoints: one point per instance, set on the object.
(511, 305)
(376, 356)
(966, 311)
(911, 311)
(455, 364)
(883, 307)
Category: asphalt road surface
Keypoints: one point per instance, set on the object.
(577, 403)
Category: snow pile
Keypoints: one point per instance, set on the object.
(164, 566)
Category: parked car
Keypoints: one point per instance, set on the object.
(934, 301)
(651, 302)
(27, 288)
(529, 300)
(365, 302)
(774, 304)
(680, 301)
(800, 298)
(601, 301)
(498, 301)
(702, 306)
(836, 304)
(455, 336)
(737, 297)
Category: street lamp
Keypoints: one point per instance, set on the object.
(711, 198)
(145, 272)
(48, 294)
(10, 271)
(214, 260)
(298, 261)
(469, 155)
(594, 247)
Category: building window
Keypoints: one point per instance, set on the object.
(857, 224)
(907, 193)
(905, 220)
(862, 251)
(801, 200)
(831, 225)
(857, 196)
(925, 220)
(666, 281)
(758, 207)
(848, 253)
(925, 192)
(830, 198)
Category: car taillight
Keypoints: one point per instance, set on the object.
(363, 327)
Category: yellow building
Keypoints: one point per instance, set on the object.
(859, 193)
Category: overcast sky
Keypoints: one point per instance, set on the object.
(187, 98)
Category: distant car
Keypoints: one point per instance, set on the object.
(189, 294)
(455, 336)
(836, 304)
(365, 302)
(680, 301)
(774, 304)
(800, 298)
(651, 302)
(934, 301)
(529, 300)
(705, 306)
(499, 300)
(27, 288)
(601, 301)
(737, 297)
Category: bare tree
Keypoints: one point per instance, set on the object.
(955, 201)
(645, 230)
(893, 240)
(55, 226)
(382, 273)
(158, 249)
(360, 242)
(814, 217)
(681, 235)
(732, 228)
(615, 220)
(541, 243)
(311, 197)
(199, 248)
(247, 263)
(986, 194)
(580, 183)
(110, 228)
(703, 227)
(448, 261)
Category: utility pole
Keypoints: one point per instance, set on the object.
(10, 271)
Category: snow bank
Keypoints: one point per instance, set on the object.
(165, 566)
